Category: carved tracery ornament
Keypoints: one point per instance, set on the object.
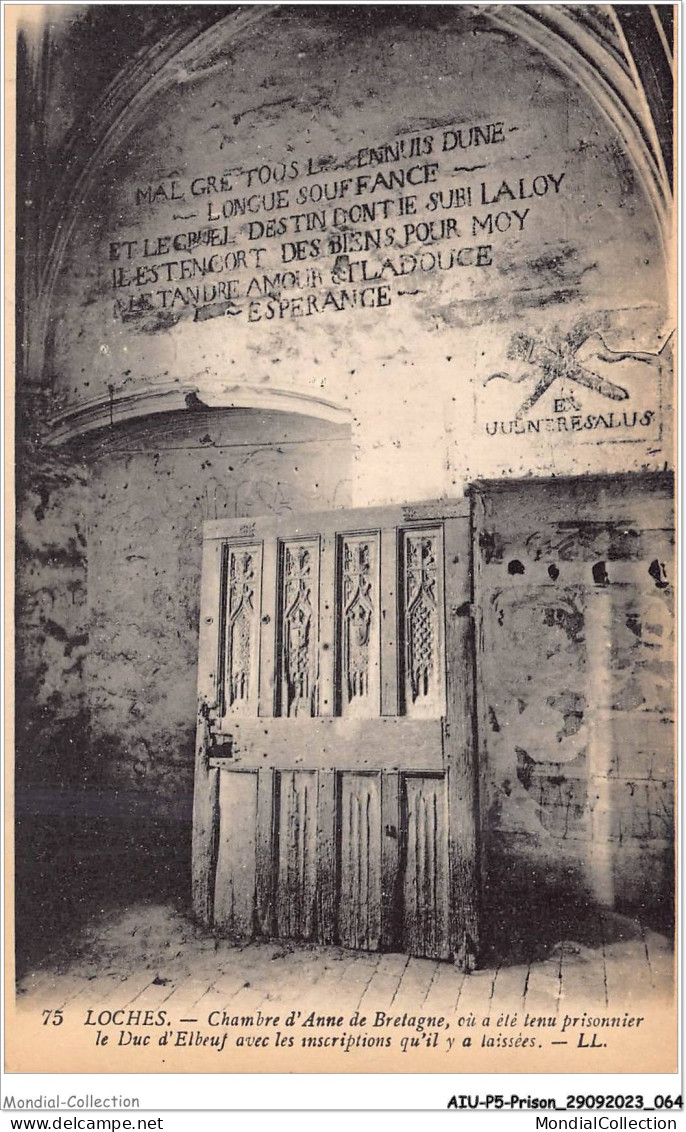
(358, 621)
(241, 625)
(299, 628)
(422, 630)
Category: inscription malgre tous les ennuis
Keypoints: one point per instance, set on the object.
(276, 240)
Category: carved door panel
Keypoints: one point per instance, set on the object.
(335, 779)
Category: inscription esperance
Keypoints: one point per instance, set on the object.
(299, 238)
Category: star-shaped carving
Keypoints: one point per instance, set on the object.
(560, 360)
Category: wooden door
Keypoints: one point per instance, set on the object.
(335, 779)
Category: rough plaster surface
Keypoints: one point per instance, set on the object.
(577, 695)
(417, 375)
(52, 615)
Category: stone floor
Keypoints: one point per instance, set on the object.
(151, 954)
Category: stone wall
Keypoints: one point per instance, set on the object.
(52, 615)
(575, 592)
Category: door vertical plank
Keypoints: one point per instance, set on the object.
(478, 524)
(205, 806)
(391, 904)
(389, 621)
(426, 902)
(234, 888)
(264, 863)
(286, 891)
(268, 620)
(297, 865)
(327, 624)
(459, 745)
(205, 838)
(359, 919)
(327, 837)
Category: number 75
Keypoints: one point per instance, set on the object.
(52, 1015)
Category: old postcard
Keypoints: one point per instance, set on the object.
(344, 728)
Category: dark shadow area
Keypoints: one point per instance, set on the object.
(529, 910)
(76, 877)
(71, 873)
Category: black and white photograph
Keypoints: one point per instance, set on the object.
(342, 496)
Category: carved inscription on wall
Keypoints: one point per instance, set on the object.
(585, 382)
(299, 238)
